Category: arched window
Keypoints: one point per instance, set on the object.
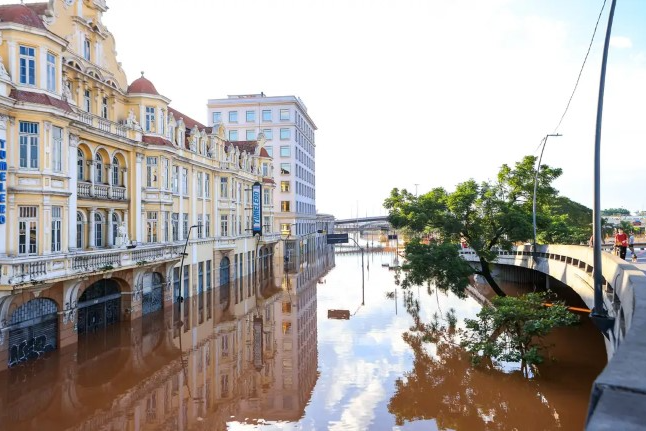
(80, 165)
(79, 231)
(98, 173)
(115, 227)
(98, 230)
(115, 171)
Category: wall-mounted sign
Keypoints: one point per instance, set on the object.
(3, 181)
(256, 211)
(257, 343)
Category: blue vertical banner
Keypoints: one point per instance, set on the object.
(3, 181)
(256, 209)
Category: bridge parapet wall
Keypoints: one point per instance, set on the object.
(619, 392)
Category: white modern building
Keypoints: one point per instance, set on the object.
(289, 133)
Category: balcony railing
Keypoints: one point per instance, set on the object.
(101, 191)
(104, 124)
(40, 269)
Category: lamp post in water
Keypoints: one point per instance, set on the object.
(362, 274)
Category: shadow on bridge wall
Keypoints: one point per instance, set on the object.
(619, 392)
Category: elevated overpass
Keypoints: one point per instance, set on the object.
(619, 392)
(361, 224)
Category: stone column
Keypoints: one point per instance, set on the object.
(92, 166)
(108, 168)
(126, 220)
(72, 166)
(110, 228)
(139, 234)
(3, 184)
(92, 235)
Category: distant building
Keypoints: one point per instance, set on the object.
(289, 137)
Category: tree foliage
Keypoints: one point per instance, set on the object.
(512, 329)
(615, 212)
(488, 215)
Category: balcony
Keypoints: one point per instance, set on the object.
(224, 243)
(36, 270)
(85, 190)
(105, 125)
(270, 237)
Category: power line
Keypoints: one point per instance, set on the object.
(582, 66)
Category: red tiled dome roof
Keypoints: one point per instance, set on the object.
(21, 14)
(142, 85)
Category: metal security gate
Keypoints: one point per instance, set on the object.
(153, 293)
(99, 306)
(33, 330)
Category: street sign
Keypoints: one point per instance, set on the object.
(392, 236)
(256, 212)
(337, 238)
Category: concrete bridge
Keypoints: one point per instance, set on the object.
(361, 224)
(619, 392)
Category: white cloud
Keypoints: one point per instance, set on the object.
(621, 42)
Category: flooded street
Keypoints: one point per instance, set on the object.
(309, 351)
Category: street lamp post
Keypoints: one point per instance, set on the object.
(362, 273)
(181, 265)
(599, 315)
(538, 169)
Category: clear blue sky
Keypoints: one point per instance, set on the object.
(409, 92)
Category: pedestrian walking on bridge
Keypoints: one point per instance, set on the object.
(621, 243)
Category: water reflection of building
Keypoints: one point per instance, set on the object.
(100, 183)
(190, 368)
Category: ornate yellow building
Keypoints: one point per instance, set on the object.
(102, 183)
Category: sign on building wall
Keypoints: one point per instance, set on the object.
(257, 343)
(256, 212)
(3, 181)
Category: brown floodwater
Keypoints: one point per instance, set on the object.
(334, 357)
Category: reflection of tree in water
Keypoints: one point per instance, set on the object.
(444, 386)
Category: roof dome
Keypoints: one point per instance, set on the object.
(22, 14)
(142, 85)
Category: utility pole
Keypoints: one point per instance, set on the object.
(416, 189)
(538, 169)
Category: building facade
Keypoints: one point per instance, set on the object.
(113, 205)
(288, 133)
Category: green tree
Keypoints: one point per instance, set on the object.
(615, 212)
(626, 226)
(490, 215)
(512, 329)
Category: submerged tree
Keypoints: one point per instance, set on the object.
(513, 328)
(490, 215)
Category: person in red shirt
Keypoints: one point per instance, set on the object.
(621, 242)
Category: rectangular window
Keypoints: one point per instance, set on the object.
(233, 135)
(224, 187)
(87, 101)
(208, 274)
(270, 150)
(86, 48)
(185, 224)
(266, 225)
(27, 65)
(285, 206)
(224, 225)
(251, 116)
(175, 226)
(166, 226)
(57, 223)
(284, 186)
(217, 117)
(233, 117)
(266, 115)
(265, 169)
(251, 135)
(104, 107)
(199, 185)
(284, 115)
(184, 181)
(207, 225)
(57, 149)
(51, 72)
(165, 173)
(285, 228)
(200, 226)
(207, 186)
(151, 171)
(175, 179)
(284, 133)
(150, 119)
(27, 230)
(269, 134)
(266, 197)
(285, 151)
(152, 226)
(285, 168)
(28, 145)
